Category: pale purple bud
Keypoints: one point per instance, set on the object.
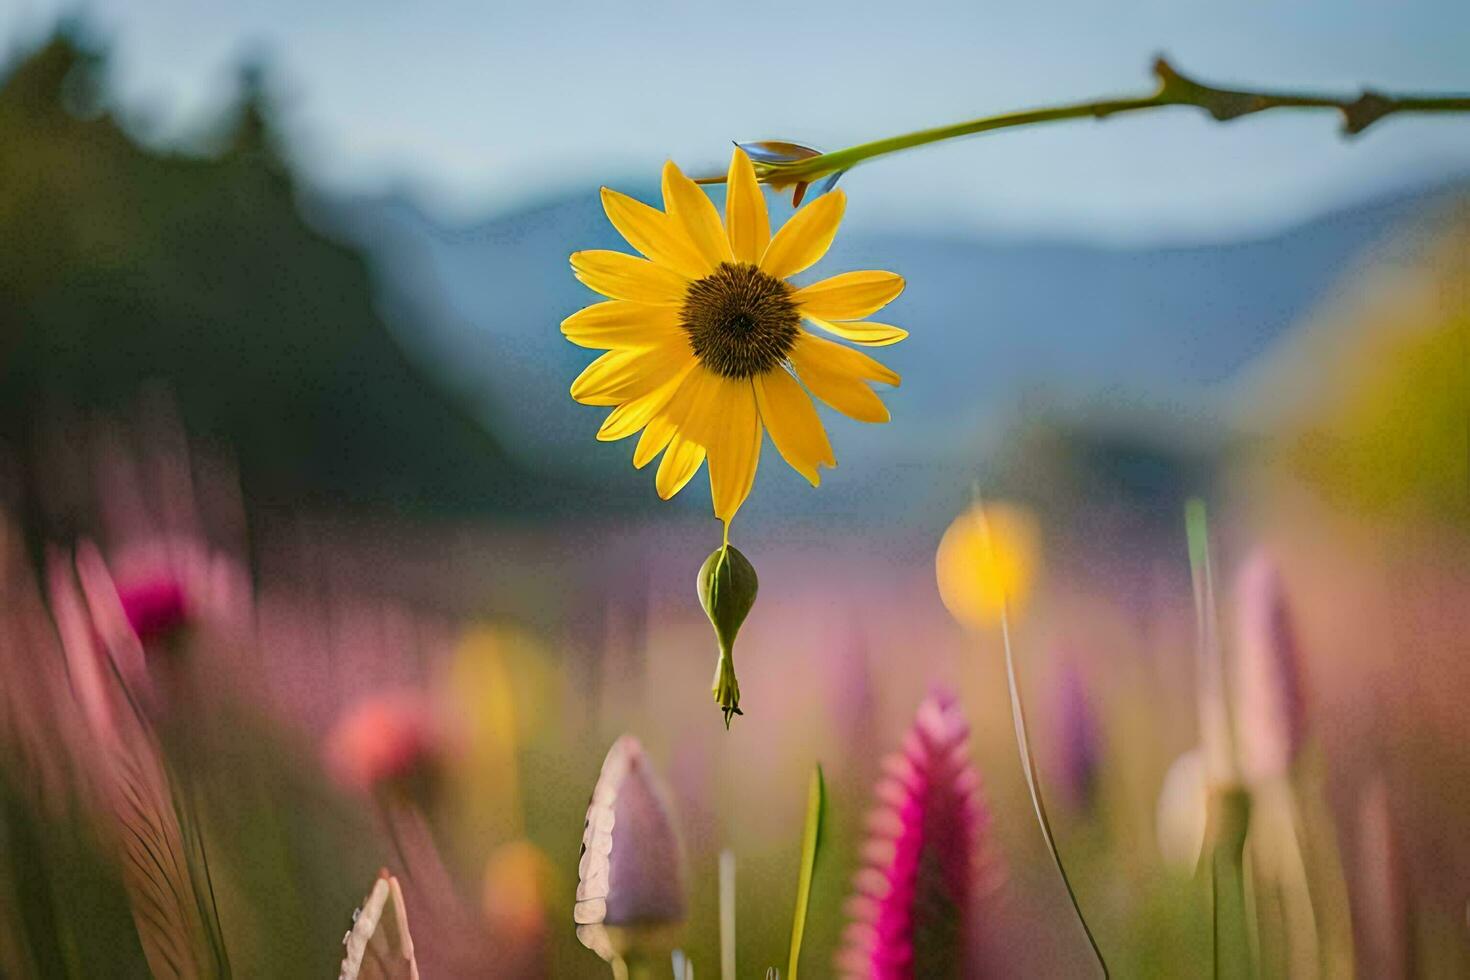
(785, 151)
(1270, 713)
(630, 892)
(778, 151)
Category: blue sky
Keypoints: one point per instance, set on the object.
(475, 105)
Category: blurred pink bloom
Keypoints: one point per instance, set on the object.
(1270, 699)
(915, 902)
(155, 606)
(630, 888)
(385, 739)
(1382, 906)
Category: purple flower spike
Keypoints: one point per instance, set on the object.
(913, 909)
(630, 892)
(1079, 738)
(1271, 703)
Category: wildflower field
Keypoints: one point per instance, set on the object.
(971, 607)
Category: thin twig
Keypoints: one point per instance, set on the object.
(1174, 88)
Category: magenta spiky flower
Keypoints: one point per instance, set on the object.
(913, 908)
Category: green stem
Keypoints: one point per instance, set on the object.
(1217, 729)
(1033, 783)
(633, 968)
(1174, 89)
(1229, 819)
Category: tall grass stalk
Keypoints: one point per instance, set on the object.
(727, 915)
(1229, 803)
(1033, 784)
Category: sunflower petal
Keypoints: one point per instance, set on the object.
(621, 276)
(734, 440)
(696, 214)
(849, 296)
(619, 324)
(633, 415)
(746, 219)
(622, 375)
(866, 333)
(792, 420)
(680, 463)
(654, 233)
(656, 435)
(833, 375)
(804, 239)
(661, 428)
(845, 360)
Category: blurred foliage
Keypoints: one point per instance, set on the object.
(63, 910)
(1376, 397)
(124, 267)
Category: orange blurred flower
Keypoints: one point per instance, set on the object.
(393, 738)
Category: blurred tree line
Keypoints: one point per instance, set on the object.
(125, 269)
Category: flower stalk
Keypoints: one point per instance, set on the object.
(998, 606)
(1228, 821)
(1174, 88)
(1033, 784)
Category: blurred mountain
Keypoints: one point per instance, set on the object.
(1005, 333)
(354, 351)
(126, 270)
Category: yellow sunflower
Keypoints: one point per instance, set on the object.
(704, 338)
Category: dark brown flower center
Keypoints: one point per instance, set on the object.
(741, 322)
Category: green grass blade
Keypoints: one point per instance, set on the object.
(811, 848)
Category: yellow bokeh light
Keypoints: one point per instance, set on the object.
(987, 559)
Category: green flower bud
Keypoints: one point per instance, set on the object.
(727, 587)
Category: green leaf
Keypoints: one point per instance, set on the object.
(811, 848)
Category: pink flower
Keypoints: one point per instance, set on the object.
(385, 739)
(1271, 717)
(155, 606)
(913, 911)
